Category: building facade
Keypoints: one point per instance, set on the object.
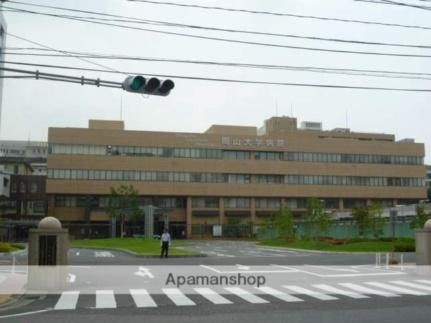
(33, 152)
(3, 29)
(23, 200)
(228, 173)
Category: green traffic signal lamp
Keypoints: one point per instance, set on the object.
(137, 83)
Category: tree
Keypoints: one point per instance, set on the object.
(362, 219)
(281, 223)
(421, 217)
(284, 224)
(317, 219)
(376, 220)
(124, 203)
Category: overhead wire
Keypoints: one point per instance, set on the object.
(224, 80)
(236, 41)
(354, 72)
(211, 28)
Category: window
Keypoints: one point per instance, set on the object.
(237, 203)
(22, 187)
(205, 202)
(34, 187)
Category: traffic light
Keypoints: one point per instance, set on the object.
(152, 86)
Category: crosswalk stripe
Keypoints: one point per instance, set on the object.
(343, 292)
(318, 295)
(212, 296)
(412, 285)
(105, 299)
(142, 298)
(396, 289)
(67, 301)
(424, 281)
(278, 294)
(178, 297)
(368, 290)
(245, 295)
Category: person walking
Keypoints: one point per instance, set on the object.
(165, 242)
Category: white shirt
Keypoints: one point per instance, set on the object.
(166, 237)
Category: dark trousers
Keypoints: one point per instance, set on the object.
(165, 248)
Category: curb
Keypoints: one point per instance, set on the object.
(336, 252)
(141, 255)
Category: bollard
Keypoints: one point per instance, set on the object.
(47, 256)
(423, 245)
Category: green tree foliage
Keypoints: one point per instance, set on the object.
(280, 224)
(369, 219)
(123, 203)
(284, 224)
(421, 217)
(377, 222)
(317, 219)
(360, 215)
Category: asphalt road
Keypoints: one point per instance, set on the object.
(111, 286)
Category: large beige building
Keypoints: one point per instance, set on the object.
(229, 171)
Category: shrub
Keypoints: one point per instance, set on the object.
(404, 247)
(5, 247)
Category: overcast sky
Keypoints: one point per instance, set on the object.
(30, 106)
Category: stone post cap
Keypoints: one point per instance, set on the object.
(49, 223)
(427, 224)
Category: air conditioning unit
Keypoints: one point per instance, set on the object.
(310, 125)
(342, 130)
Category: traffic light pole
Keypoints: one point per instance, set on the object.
(134, 84)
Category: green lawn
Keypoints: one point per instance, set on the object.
(9, 247)
(137, 245)
(353, 246)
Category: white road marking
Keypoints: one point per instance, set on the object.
(212, 296)
(396, 289)
(67, 301)
(142, 298)
(242, 267)
(26, 313)
(368, 290)
(105, 299)
(278, 294)
(225, 255)
(318, 295)
(412, 285)
(143, 272)
(71, 278)
(338, 291)
(178, 297)
(424, 281)
(103, 254)
(335, 269)
(245, 295)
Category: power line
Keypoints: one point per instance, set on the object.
(198, 27)
(272, 13)
(99, 82)
(247, 11)
(397, 3)
(61, 77)
(339, 51)
(59, 51)
(354, 72)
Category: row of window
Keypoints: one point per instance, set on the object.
(213, 202)
(102, 201)
(161, 176)
(232, 154)
(22, 187)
